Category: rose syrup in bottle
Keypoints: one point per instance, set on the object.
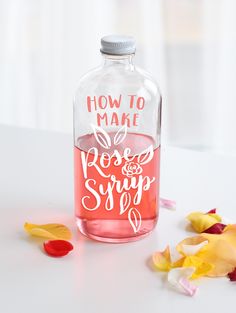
(117, 123)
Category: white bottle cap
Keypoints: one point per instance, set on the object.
(118, 45)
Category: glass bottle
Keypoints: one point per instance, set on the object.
(117, 124)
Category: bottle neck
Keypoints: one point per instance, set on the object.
(125, 61)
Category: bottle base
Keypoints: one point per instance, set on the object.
(114, 231)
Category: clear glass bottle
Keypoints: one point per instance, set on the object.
(117, 124)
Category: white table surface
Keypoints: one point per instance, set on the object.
(36, 185)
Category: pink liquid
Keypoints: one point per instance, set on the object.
(116, 195)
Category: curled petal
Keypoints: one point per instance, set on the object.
(217, 228)
(178, 278)
(191, 245)
(162, 260)
(193, 249)
(48, 231)
(201, 221)
(232, 275)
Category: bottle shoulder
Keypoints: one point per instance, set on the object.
(115, 77)
(149, 78)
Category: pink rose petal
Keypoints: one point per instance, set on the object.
(178, 279)
(168, 204)
(189, 288)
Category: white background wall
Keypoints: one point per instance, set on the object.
(188, 45)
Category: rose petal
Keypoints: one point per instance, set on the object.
(201, 267)
(215, 216)
(178, 278)
(213, 211)
(230, 229)
(174, 255)
(228, 235)
(220, 251)
(167, 204)
(201, 221)
(162, 260)
(57, 248)
(222, 256)
(178, 263)
(191, 246)
(189, 288)
(217, 228)
(49, 231)
(232, 275)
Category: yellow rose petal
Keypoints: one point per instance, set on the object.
(162, 260)
(230, 228)
(201, 267)
(191, 245)
(215, 216)
(201, 221)
(48, 231)
(220, 251)
(178, 263)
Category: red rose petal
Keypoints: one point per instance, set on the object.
(232, 275)
(213, 211)
(57, 248)
(217, 228)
